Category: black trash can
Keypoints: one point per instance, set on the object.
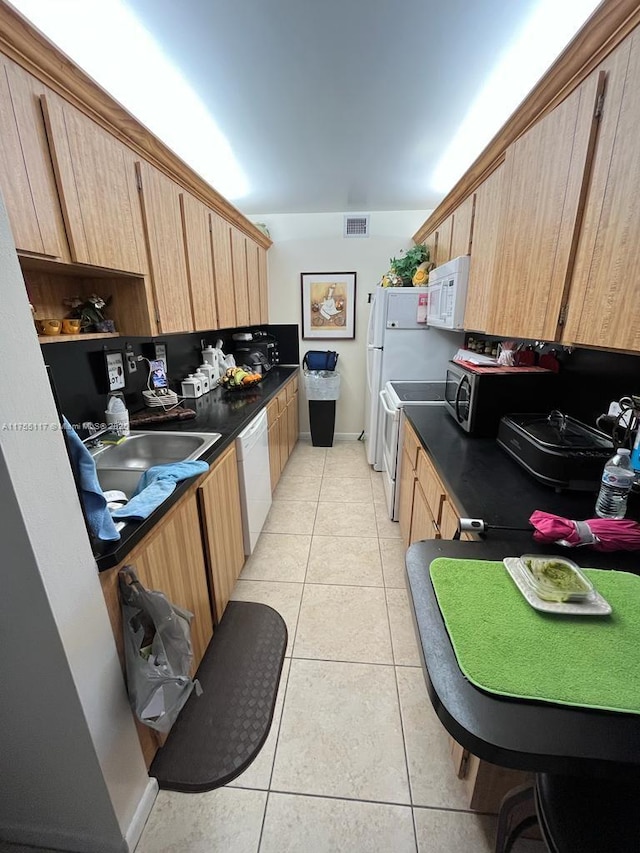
(323, 389)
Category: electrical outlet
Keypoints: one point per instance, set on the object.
(131, 361)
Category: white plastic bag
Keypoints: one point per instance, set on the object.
(157, 652)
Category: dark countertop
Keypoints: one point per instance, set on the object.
(486, 483)
(226, 412)
(521, 734)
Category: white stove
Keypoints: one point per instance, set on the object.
(395, 397)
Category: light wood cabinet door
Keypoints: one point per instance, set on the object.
(170, 559)
(292, 432)
(462, 232)
(482, 265)
(604, 301)
(444, 235)
(274, 453)
(219, 497)
(173, 562)
(283, 439)
(432, 488)
(405, 505)
(263, 279)
(26, 173)
(253, 283)
(223, 269)
(197, 245)
(163, 229)
(240, 283)
(545, 177)
(448, 520)
(96, 182)
(431, 242)
(423, 525)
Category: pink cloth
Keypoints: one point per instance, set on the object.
(603, 534)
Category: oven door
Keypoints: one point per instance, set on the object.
(390, 436)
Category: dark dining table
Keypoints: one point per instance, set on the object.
(516, 733)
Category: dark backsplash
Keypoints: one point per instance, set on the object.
(77, 368)
(591, 379)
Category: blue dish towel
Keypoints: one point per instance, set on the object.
(93, 501)
(155, 486)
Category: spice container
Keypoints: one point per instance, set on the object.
(554, 578)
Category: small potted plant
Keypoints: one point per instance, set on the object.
(403, 270)
(90, 311)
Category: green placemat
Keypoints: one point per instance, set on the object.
(505, 646)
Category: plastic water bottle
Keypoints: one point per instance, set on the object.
(617, 479)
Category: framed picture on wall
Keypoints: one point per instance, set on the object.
(328, 305)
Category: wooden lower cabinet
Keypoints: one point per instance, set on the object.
(219, 498)
(426, 509)
(169, 559)
(423, 524)
(282, 415)
(485, 783)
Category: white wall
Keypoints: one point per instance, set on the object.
(313, 242)
(73, 776)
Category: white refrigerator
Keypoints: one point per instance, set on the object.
(400, 346)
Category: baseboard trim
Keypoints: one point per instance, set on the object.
(338, 436)
(141, 814)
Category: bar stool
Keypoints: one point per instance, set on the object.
(575, 814)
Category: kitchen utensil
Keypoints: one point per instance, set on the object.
(602, 534)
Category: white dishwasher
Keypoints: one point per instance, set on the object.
(252, 449)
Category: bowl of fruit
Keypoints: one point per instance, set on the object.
(237, 379)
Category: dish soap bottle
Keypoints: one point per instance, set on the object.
(617, 479)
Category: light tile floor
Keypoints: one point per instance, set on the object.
(356, 760)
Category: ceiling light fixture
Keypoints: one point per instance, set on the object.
(547, 32)
(106, 39)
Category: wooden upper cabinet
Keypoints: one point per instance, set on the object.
(240, 283)
(545, 177)
(431, 242)
(253, 283)
(486, 227)
(223, 270)
(197, 245)
(264, 284)
(26, 174)
(462, 232)
(444, 235)
(604, 300)
(97, 187)
(163, 229)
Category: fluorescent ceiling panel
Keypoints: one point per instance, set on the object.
(547, 32)
(106, 39)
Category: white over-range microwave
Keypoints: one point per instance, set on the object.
(447, 294)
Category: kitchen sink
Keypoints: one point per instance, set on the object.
(120, 466)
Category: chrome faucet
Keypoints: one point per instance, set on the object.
(93, 439)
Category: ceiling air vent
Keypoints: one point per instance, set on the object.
(356, 226)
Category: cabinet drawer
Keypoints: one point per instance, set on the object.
(273, 412)
(433, 489)
(411, 444)
(291, 390)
